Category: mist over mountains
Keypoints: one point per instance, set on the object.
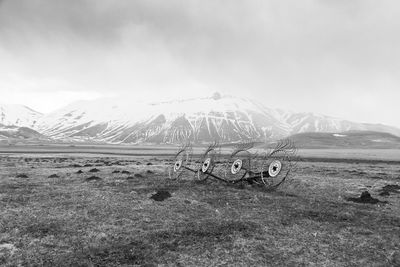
(223, 118)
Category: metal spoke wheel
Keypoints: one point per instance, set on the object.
(208, 161)
(181, 160)
(278, 164)
(238, 166)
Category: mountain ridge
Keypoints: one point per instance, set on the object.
(202, 120)
(223, 118)
(11, 133)
(348, 139)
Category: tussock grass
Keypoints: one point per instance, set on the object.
(66, 221)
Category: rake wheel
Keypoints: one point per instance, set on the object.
(278, 164)
(181, 159)
(208, 161)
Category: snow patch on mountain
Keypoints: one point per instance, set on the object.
(202, 119)
(18, 115)
(223, 118)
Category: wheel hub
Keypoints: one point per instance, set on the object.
(274, 168)
(236, 166)
(206, 165)
(178, 165)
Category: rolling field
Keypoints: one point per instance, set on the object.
(102, 210)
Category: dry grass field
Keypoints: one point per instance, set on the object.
(93, 210)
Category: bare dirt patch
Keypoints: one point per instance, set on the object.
(161, 195)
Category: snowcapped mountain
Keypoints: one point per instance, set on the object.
(18, 115)
(310, 122)
(224, 118)
(203, 119)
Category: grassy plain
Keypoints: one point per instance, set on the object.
(51, 215)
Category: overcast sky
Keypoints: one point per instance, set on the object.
(335, 57)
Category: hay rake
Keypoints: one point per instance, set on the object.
(267, 168)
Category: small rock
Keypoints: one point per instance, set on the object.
(79, 172)
(22, 176)
(94, 170)
(126, 172)
(53, 176)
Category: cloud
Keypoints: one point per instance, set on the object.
(293, 54)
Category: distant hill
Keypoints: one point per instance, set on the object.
(10, 133)
(348, 139)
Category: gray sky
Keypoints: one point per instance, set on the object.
(335, 57)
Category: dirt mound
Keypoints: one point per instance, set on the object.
(75, 166)
(22, 175)
(126, 172)
(138, 175)
(365, 197)
(53, 176)
(79, 172)
(389, 188)
(93, 178)
(161, 195)
(116, 171)
(94, 170)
